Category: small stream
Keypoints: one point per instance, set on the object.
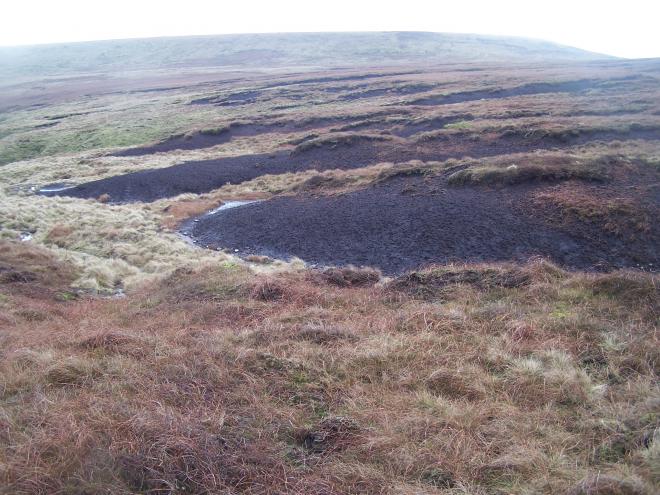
(56, 187)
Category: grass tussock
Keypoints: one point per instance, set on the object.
(219, 380)
(608, 485)
(436, 281)
(629, 287)
(619, 216)
(339, 139)
(411, 169)
(27, 267)
(568, 134)
(113, 246)
(519, 174)
(109, 341)
(175, 212)
(348, 276)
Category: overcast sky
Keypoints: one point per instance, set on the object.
(623, 28)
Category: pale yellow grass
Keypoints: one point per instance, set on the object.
(115, 246)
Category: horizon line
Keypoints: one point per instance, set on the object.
(209, 35)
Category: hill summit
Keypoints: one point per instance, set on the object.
(324, 50)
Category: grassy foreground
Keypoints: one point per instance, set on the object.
(460, 379)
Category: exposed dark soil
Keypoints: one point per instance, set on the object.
(526, 89)
(359, 77)
(352, 95)
(46, 125)
(208, 138)
(347, 120)
(193, 177)
(202, 139)
(406, 223)
(345, 93)
(402, 126)
(206, 175)
(330, 79)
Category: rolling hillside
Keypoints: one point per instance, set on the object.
(278, 50)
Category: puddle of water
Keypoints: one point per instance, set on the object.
(185, 233)
(26, 236)
(56, 187)
(232, 204)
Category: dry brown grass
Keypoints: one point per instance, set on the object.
(221, 381)
(518, 174)
(35, 267)
(177, 211)
(337, 139)
(615, 215)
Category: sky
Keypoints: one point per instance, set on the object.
(621, 28)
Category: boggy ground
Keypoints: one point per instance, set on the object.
(133, 362)
(462, 379)
(343, 151)
(415, 217)
(279, 132)
(314, 124)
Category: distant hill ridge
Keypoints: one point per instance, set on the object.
(279, 50)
